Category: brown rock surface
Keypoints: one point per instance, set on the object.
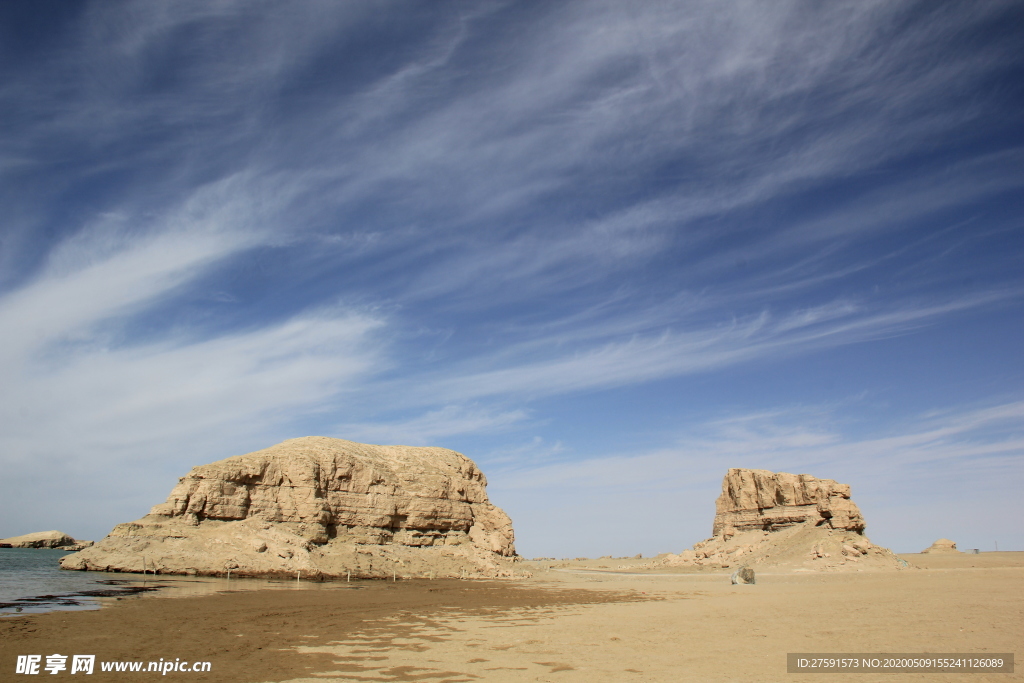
(943, 545)
(778, 519)
(45, 539)
(322, 507)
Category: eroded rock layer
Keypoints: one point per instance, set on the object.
(767, 501)
(326, 507)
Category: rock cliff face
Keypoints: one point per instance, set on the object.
(46, 539)
(322, 506)
(767, 501)
(791, 520)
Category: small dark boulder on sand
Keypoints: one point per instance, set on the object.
(743, 575)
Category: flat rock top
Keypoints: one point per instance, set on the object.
(39, 536)
(325, 446)
(296, 461)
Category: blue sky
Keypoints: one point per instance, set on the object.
(607, 250)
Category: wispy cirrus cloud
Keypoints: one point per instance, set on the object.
(587, 361)
(86, 356)
(427, 428)
(225, 226)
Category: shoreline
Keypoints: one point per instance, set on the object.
(556, 626)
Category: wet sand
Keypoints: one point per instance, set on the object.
(579, 621)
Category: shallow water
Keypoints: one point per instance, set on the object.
(28, 573)
(32, 581)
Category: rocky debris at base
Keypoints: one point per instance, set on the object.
(793, 520)
(800, 547)
(943, 545)
(45, 539)
(317, 507)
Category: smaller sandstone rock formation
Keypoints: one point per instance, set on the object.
(779, 519)
(767, 501)
(45, 539)
(943, 545)
(743, 575)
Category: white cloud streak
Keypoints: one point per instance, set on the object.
(75, 370)
(426, 429)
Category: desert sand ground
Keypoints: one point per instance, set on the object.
(588, 620)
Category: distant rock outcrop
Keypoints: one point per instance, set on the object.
(778, 519)
(943, 545)
(319, 507)
(45, 539)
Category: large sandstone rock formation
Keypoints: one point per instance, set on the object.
(779, 519)
(319, 507)
(943, 545)
(45, 539)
